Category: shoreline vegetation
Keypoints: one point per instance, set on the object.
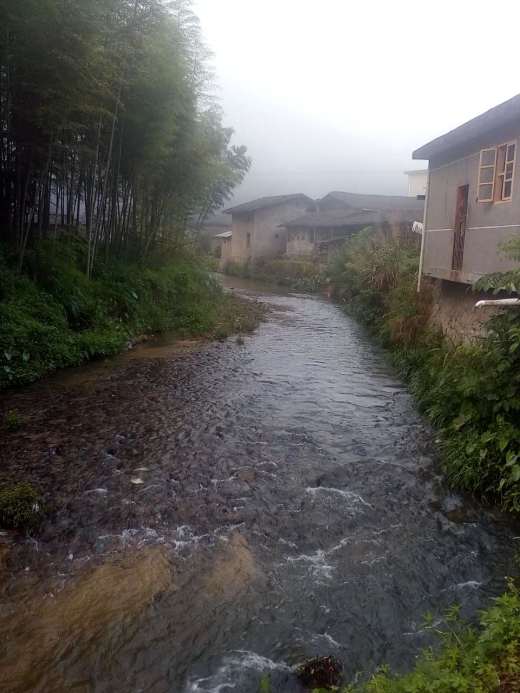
(53, 317)
(298, 274)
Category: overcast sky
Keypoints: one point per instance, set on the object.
(336, 94)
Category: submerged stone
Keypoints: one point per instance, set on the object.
(321, 672)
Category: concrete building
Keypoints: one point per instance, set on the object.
(473, 206)
(257, 231)
(417, 182)
(339, 215)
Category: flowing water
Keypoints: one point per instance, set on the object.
(221, 512)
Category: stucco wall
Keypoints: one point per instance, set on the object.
(299, 243)
(225, 252)
(488, 224)
(267, 239)
(242, 225)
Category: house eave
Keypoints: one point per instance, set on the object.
(497, 117)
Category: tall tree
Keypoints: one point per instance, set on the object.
(107, 128)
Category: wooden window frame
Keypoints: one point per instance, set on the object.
(499, 177)
(502, 174)
(482, 166)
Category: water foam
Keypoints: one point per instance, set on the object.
(227, 676)
(348, 495)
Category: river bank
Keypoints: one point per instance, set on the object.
(282, 495)
(295, 274)
(54, 317)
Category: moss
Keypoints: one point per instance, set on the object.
(20, 507)
(13, 421)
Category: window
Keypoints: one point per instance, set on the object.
(248, 240)
(496, 171)
(505, 168)
(486, 178)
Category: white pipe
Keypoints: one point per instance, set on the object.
(423, 235)
(498, 302)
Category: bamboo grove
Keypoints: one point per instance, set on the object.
(107, 130)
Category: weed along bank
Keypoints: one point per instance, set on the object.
(472, 210)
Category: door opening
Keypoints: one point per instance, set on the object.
(461, 213)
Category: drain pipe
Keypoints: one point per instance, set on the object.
(500, 302)
(423, 234)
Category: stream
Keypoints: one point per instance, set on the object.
(220, 512)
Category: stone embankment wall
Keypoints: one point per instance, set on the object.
(454, 311)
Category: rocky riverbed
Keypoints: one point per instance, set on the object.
(217, 513)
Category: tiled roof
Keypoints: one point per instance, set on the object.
(264, 202)
(499, 116)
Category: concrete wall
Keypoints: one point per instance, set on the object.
(488, 223)
(266, 238)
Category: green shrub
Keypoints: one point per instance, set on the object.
(376, 277)
(20, 507)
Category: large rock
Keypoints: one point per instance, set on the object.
(321, 672)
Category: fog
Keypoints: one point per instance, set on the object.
(336, 94)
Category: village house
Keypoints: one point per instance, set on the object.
(337, 216)
(256, 226)
(472, 208)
